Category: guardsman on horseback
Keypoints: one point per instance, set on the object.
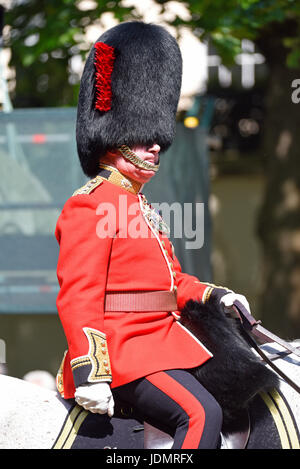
(121, 285)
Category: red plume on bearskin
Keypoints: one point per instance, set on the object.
(104, 61)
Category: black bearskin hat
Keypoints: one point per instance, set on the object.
(129, 92)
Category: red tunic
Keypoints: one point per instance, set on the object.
(108, 245)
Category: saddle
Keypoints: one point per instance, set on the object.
(84, 430)
(156, 439)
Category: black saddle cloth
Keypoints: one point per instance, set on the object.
(85, 430)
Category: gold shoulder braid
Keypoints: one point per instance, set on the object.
(89, 186)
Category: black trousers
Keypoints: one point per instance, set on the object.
(176, 403)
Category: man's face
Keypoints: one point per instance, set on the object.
(149, 154)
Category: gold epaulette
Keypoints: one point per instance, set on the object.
(89, 186)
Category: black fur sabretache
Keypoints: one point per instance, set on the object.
(234, 375)
(145, 85)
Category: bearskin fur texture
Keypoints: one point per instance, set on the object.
(145, 86)
(235, 374)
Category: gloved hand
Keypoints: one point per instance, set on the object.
(96, 397)
(229, 299)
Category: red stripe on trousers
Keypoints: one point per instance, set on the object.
(187, 401)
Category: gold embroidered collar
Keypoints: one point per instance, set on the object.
(111, 174)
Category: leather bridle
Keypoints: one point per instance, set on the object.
(254, 330)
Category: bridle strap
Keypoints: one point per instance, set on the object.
(253, 327)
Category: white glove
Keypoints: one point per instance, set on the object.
(96, 397)
(229, 299)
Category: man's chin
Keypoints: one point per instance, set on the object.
(143, 176)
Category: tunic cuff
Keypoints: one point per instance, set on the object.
(95, 366)
(215, 292)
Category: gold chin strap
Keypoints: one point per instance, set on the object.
(134, 159)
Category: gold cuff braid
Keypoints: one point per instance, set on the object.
(97, 358)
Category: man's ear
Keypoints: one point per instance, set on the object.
(110, 156)
(112, 153)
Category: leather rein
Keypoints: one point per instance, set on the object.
(253, 328)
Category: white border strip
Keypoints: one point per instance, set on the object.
(194, 337)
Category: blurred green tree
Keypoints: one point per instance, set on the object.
(45, 37)
(274, 26)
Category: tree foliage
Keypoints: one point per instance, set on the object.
(45, 36)
(226, 23)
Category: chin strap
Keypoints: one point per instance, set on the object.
(136, 160)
